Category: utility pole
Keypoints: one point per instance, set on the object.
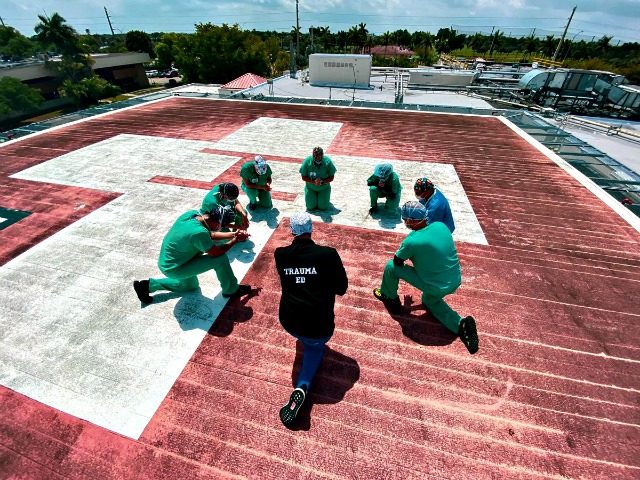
(108, 20)
(297, 29)
(564, 34)
(292, 60)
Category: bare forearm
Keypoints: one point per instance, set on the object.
(222, 235)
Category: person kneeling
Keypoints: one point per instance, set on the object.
(311, 276)
(191, 247)
(435, 271)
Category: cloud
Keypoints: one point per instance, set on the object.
(593, 17)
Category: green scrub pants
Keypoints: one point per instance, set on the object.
(317, 196)
(431, 297)
(185, 277)
(260, 198)
(374, 194)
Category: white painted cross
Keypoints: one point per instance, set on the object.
(75, 337)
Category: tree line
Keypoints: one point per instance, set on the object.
(219, 53)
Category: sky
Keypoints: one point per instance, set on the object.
(593, 18)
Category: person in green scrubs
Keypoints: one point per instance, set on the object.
(435, 271)
(194, 245)
(226, 194)
(317, 171)
(256, 183)
(384, 183)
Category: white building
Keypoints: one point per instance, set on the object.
(336, 70)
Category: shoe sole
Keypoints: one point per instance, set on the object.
(289, 412)
(470, 336)
(144, 298)
(391, 306)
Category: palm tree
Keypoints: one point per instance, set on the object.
(549, 45)
(342, 38)
(353, 36)
(55, 31)
(363, 34)
(386, 40)
(603, 43)
(495, 41)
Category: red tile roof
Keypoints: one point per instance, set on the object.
(247, 80)
(391, 50)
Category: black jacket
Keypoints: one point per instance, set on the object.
(311, 276)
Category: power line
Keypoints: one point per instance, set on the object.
(280, 22)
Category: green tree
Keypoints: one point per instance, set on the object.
(386, 40)
(604, 44)
(342, 39)
(88, 90)
(448, 39)
(137, 41)
(164, 57)
(496, 42)
(15, 96)
(281, 63)
(217, 54)
(55, 31)
(402, 37)
(363, 35)
(72, 67)
(90, 43)
(14, 45)
(549, 45)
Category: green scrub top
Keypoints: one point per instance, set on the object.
(213, 199)
(433, 254)
(248, 173)
(396, 187)
(186, 239)
(324, 171)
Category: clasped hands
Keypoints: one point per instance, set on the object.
(241, 235)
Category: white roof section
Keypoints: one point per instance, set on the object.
(338, 55)
(624, 150)
(383, 91)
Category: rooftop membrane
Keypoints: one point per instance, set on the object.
(96, 386)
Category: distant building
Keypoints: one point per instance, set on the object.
(248, 80)
(122, 69)
(391, 51)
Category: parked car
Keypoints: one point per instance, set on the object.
(171, 73)
(153, 73)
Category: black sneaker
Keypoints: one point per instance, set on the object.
(142, 291)
(469, 335)
(392, 304)
(242, 290)
(289, 412)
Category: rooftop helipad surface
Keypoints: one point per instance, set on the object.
(94, 385)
